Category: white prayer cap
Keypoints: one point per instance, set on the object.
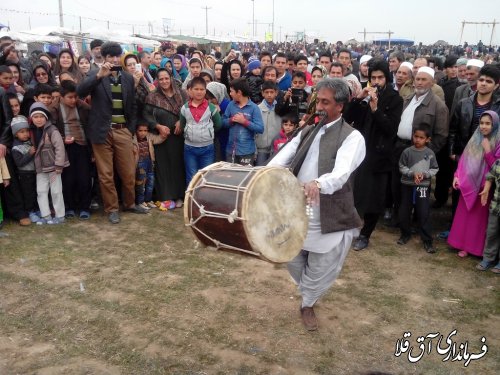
(426, 69)
(475, 62)
(408, 64)
(364, 58)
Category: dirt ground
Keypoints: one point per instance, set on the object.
(142, 297)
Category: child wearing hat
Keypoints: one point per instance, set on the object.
(50, 159)
(23, 153)
(254, 80)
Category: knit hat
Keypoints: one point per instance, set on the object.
(39, 108)
(96, 43)
(475, 62)
(426, 69)
(18, 123)
(364, 58)
(462, 61)
(253, 65)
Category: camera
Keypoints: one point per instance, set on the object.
(116, 68)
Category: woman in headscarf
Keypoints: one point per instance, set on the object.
(217, 94)
(180, 66)
(317, 74)
(161, 113)
(468, 231)
(142, 87)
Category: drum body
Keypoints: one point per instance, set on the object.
(259, 210)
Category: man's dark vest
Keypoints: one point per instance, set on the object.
(337, 210)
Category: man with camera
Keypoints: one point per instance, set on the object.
(375, 112)
(112, 123)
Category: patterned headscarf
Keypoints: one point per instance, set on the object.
(472, 167)
(169, 103)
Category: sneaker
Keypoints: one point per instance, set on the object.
(144, 204)
(167, 205)
(34, 217)
(429, 248)
(25, 221)
(44, 220)
(56, 221)
(443, 235)
(462, 254)
(150, 204)
(361, 243)
(70, 214)
(84, 215)
(137, 209)
(114, 217)
(94, 205)
(403, 240)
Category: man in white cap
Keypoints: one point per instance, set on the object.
(436, 89)
(404, 80)
(422, 108)
(363, 70)
(472, 74)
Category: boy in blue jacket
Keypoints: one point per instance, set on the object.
(244, 120)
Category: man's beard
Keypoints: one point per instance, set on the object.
(462, 80)
(421, 91)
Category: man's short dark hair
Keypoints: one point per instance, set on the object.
(197, 81)
(166, 45)
(292, 117)
(490, 71)
(43, 88)
(300, 58)
(96, 43)
(67, 87)
(240, 84)
(265, 53)
(268, 85)
(112, 49)
(5, 69)
(279, 54)
(383, 66)
(345, 50)
(398, 55)
(326, 54)
(290, 57)
(218, 55)
(246, 55)
(269, 67)
(337, 64)
(450, 61)
(298, 74)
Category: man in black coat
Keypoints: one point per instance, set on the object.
(112, 123)
(376, 113)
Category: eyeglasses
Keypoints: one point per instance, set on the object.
(42, 74)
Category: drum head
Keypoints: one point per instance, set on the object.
(274, 211)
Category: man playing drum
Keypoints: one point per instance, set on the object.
(327, 174)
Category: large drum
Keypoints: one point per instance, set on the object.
(260, 211)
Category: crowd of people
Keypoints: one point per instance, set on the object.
(134, 128)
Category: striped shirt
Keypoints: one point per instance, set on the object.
(117, 116)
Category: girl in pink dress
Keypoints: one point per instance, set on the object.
(468, 231)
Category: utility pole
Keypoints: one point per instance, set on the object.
(80, 23)
(253, 18)
(272, 31)
(206, 18)
(494, 23)
(61, 20)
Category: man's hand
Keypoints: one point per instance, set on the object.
(3, 151)
(104, 70)
(69, 140)
(240, 119)
(7, 183)
(311, 192)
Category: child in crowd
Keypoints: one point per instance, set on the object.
(417, 166)
(15, 104)
(43, 94)
(254, 80)
(199, 120)
(70, 118)
(272, 122)
(289, 123)
(195, 68)
(217, 95)
(244, 120)
(5, 180)
(296, 96)
(50, 160)
(7, 79)
(145, 160)
(23, 153)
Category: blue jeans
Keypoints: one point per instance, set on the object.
(196, 158)
(144, 181)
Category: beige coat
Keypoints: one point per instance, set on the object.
(153, 139)
(4, 171)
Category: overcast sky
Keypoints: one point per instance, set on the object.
(422, 21)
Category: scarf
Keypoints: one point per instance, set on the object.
(472, 167)
(171, 104)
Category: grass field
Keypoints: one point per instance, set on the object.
(142, 297)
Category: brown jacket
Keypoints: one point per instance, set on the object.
(408, 90)
(433, 113)
(153, 139)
